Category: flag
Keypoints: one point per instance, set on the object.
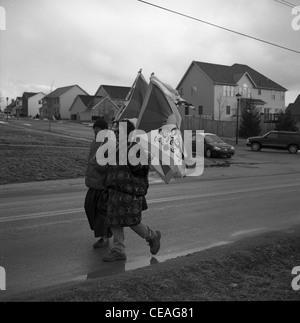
(165, 148)
(135, 98)
(161, 100)
(160, 119)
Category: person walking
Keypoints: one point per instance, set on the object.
(127, 187)
(96, 196)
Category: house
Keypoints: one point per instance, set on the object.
(89, 108)
(31, 103)
(57, 103)
(294, 108)
(14, 108)
(212, 90)
(117, 94)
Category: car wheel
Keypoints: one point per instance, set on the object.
(255, 146)
(293, 149)
(208, 153)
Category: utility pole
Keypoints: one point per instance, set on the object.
(238, 95)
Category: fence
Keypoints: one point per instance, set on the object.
(221, 128)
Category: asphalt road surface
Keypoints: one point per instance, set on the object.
(45, 238)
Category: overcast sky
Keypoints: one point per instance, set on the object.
(92, 42)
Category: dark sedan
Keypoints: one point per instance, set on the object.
(214, 146)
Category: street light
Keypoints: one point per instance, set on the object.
(7, 108)
(238, 95)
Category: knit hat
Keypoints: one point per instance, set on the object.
(100, 123)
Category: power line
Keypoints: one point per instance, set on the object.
(286, 3)
(220, 27)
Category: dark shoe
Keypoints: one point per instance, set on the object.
(154, 242)
(114, 255)
(102, 242)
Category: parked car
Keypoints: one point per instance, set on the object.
(214, 146)
(286, 140)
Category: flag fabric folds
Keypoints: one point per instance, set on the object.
(134, 98)
(160, 119)
(165, 149)
(159, 103)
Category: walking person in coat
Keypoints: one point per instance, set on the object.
(96, 196)
(127, 187)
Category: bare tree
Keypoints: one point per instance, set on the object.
(220, 109)
(1, 100)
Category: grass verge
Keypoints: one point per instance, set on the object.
(248, 270)
(29, 156)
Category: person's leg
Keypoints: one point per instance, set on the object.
(143, 231)
(118, 238)
(117, 251)
(153, 238)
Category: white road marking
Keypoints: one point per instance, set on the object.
(157, 200)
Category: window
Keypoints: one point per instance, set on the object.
(282, 96)
(181, 91)
(194, 90)
(200, 111)
(246, 91)
(186, 111)
(259, 91)
(228, 109)
(224, 90)
(272, 135)
(228, 90)
(267, 110)
(273, 95)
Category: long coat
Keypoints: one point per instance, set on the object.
(127, 186)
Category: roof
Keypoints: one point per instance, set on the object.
(92, 107)
(230, 75)
(88, 100)
(116, 92)
(294, 108)
(27, 95)
(61, 90)
(253, 101)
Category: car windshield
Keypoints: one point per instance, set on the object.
(213, 139)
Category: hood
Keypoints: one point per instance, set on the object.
(253, 138)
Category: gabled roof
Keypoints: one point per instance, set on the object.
(230, 75)
(61, 90)
(88, 100)
(294, 108)
(92, 107)
(116, 92)
(27, 95)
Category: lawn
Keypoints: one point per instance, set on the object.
(28, 156)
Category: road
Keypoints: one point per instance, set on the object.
(45, 239)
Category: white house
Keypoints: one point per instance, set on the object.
(57, 104)
(31, 103)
